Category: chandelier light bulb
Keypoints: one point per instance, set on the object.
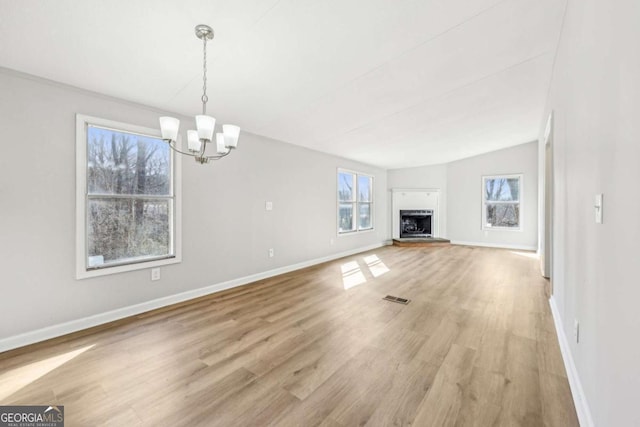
(220, 145)
(169, 128)
(193, 142)
(231, 135)
(205, 126)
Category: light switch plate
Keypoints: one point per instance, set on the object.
(598, 208)
(268, 206)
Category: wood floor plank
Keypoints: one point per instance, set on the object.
(522, 402)
(316, 347)
(492, 351)
(367, 391)
(436, 348)
(307, 369)
(443, 403)
(409, 388)
(548, 353)
(557, 407)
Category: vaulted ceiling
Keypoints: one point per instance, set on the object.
(393, 83)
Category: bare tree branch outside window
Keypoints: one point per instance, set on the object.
(355, 201)
(501, 201)
(129, 198)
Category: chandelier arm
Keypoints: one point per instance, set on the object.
(178, 151)
(219, 156)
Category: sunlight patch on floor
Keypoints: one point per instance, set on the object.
(352, 275)
(18, 378)
(376, 266)
(352, 272)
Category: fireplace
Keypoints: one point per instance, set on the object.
(416, 223)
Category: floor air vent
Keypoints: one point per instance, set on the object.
(398, 300)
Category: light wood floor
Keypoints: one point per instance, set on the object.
(475, 347)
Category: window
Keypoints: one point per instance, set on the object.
(355, 202)
(501, 202)
(126, 207)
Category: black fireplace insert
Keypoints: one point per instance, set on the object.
(416, 223)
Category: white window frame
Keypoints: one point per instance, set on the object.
(356, 203)
(82, 269)
(520, 202)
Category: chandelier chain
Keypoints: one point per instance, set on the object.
(205, 98)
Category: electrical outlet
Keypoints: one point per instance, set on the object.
(155, 273)
(271, 253)
(332, 241)
(576, 330)
(268, 206)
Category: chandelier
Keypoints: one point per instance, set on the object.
(199, 140)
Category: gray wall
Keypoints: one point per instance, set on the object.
(226, 230)
(595, 97)
(464, 196)
(461, 198)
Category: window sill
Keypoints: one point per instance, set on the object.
(501, 229)
(87, 274)
(355, 232)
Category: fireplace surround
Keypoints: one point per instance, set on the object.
(417, 199)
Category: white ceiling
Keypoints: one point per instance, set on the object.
(393, 83)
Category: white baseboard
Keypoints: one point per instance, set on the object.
(58, 330)
(495, 245)
(579, 398)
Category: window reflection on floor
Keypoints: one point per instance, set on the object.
(352, 275)
(352, 271)
(376, 266)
